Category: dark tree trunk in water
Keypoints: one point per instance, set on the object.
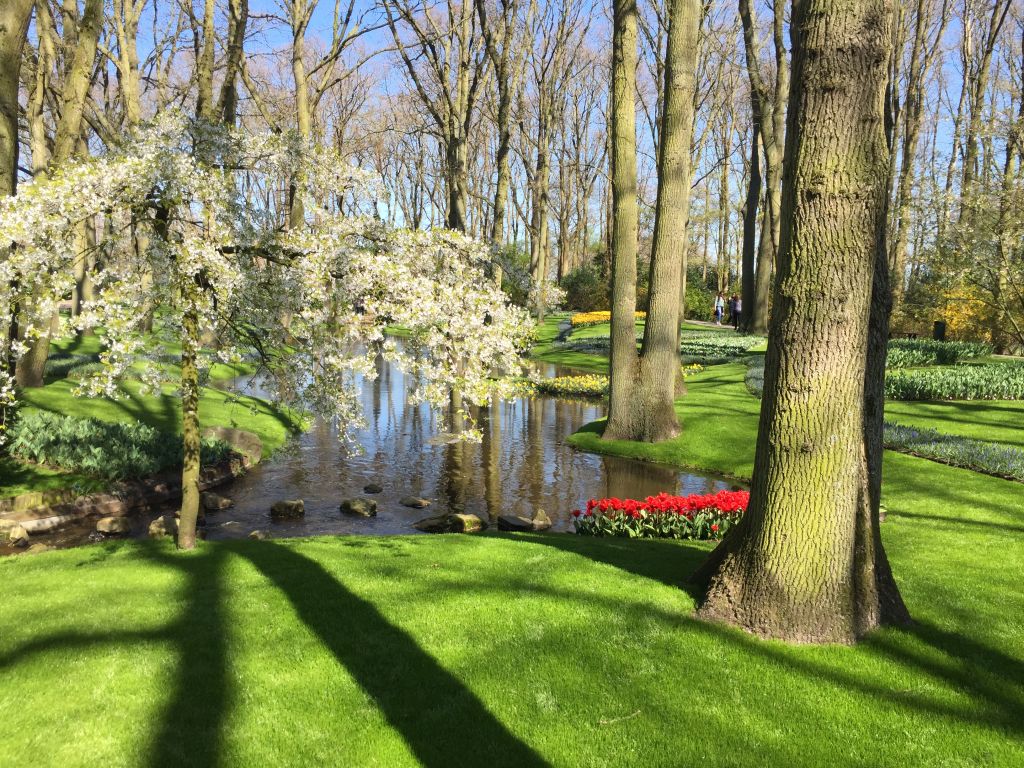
(644, 385)
(806, 563)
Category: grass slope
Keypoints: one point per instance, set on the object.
(163, 411)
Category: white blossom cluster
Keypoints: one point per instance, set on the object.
(186, 226)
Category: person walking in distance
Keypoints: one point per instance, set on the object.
(719, 308)
(737, 312)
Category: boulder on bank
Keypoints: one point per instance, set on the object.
(113, 525)
(373, 488)
(539, 522)
(414, 502)
(17, 536)
(244, 442)
(288, 510)
(259, 535)
(359, 507)
(214, 502)
(450, 523)
(163, 526)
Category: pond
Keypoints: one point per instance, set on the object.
(522, 464)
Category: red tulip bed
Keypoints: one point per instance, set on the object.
(699, 516)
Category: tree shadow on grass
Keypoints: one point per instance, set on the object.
(190, 731)
(441, 720)
(992, 678)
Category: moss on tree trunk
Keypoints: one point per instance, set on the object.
(806, 563)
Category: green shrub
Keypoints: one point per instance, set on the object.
(996, 381)
(585, 289)
(907, 353)
(108, 450)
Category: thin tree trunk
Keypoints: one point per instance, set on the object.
(86, 32)
(806, 562)
(189, 515)
(14, 20)
(750, 222)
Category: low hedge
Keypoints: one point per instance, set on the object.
(108, 450)
(908, 353)
(995, 381)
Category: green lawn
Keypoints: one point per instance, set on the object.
(506, 650)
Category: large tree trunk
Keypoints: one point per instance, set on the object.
(625, 217)
(806, 563)
(644, 386)
(456, 161)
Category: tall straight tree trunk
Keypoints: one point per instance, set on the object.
(14, 19)
(625, 217)
(750, 221)
(768, 109)
(456, 161)
(806, 562)
(644, 386)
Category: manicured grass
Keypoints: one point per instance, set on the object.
(17, 477)
(719, 419)
(503, 650)
(163, 411)
(508, 650)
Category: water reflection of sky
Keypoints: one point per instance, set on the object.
(521, 465)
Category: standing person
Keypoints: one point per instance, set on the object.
(732, 308)
(719, 308)
(737, 312)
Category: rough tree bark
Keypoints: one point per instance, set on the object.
(644, 385)
(74, 93)
(806, 562)
(14, 19)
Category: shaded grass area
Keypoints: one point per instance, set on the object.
(497, 650)
(163, 411)
(216, 408)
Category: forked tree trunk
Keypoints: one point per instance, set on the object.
(644, 386)
(31, 366)
(806, 563)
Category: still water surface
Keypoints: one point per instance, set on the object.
(521, 465)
